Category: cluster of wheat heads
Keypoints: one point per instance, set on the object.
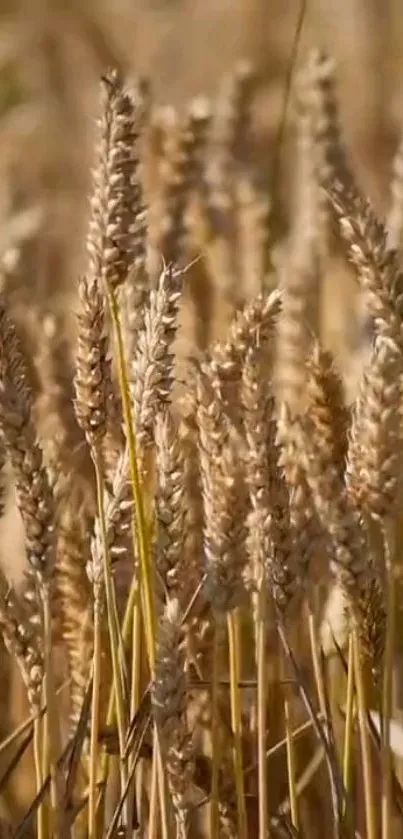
(170, 628)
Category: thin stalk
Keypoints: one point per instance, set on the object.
(236, 720)
(317, 670)
(348, 730)
(215, 741)
(262, 709)
(333, 767)
(323, 703)
(45, 739)
(136, 660)
(36, 721)
(162, 789)
(305, 779)
(126, 630)
(38, 746)
(291, 770)
(153, 810)
(134, 701)
(94, 747)
(51, 722)
(139, 527)
(141, 530)
(386, 755)
(113, 634)
(23, 727)
(369, 799)
(278, 142)
(283, 743)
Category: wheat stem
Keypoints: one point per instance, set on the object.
(262, 709)
(386, 755)
(141, 532)
(127, 627)
(316, 664)
(135, 695)
(51, 721)
(369, 800)
(38, 748)
(139, 527)
(348, 729)
(112, 628)
(93, 762)
(153, 814)
(236, 719)
(136, 658)
(291, 770)
(215, 741)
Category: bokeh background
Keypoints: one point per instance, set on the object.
(52, 54)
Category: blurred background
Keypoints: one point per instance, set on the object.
(52, 53)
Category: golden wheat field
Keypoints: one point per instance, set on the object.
(201, 419)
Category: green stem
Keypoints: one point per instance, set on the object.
(140, 534)
(139, 526)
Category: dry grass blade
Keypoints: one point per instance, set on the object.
(75, 755)
(13, 764)
(113, 829)
(36, 803)
(334, 774)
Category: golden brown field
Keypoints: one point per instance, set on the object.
(201, 368)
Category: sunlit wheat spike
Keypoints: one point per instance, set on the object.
(116, 237)
(373, 464)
